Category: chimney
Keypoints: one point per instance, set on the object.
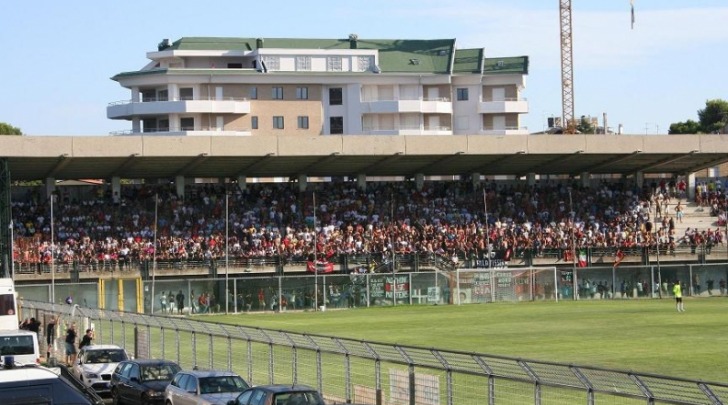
(353, 38)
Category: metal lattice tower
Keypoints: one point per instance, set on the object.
(567, 69)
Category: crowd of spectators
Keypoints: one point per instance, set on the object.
(264, 220)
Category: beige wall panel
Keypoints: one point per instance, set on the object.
(509, 144)
(243, 146)
(672, 144)
(556, 144)
(427, 145)
(310, 146)
(176, 145)
(290, 111)
(35, 146)
(373, 145)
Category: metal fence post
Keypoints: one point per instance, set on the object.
(210, 361)
(161, 335)
(229, 353)
(194, 349)
(319, 372)
(111, 324)
(250, 360)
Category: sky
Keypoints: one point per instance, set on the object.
(58, 56)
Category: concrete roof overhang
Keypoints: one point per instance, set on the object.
(154, 157)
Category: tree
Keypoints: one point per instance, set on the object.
(687, 127)
(714, 117)
(7, 129)
(585, 126)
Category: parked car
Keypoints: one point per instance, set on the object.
(95, 365)
(33, 384)
(142, 381)
(279, 394)
(204, 388)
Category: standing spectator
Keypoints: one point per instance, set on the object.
(86, 339)
(677, 291)
(193, 302)
(163, 302)
(180, 302)
(70, 344)
(33, 325)
(50, 335)
(721, 285)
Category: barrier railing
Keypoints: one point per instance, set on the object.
(363, 372)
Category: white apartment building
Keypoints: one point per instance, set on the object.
(353, 86)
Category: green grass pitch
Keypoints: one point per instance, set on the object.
(647, 336)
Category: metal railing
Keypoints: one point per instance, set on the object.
(364, 372)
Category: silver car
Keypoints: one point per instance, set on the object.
(208, 387)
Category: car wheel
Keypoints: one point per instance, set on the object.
(115, 398)
(145, 400)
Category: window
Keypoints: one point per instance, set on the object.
(163, 95)
(187, 124)
(303, 122)
(254, 122)
(277, 93)
(462, 94)
(235, 65)
(337, 125)
(253, 93)
(277, 122)
(303, 63)
(186, 93)
(365, 63)
(336, 96)
(163, 125)
(333, 64)
(302, 93)
(272, 63)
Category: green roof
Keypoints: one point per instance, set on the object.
(513, 64)
(395, 55)
(468, 61)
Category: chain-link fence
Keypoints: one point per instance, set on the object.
(360, 372)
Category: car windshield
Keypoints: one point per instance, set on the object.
(159, 372)
(105, 356)
(298, 398)
(231, 383)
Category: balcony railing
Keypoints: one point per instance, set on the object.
(160, 99)
(184, 131)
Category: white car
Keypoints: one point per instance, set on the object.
(198, 387)
(95, 365)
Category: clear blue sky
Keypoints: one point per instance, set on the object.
(58, 56)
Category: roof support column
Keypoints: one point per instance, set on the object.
(691, 186)
(361, 181)
(135, 94)
(242, 182)
(585, 179)
(116, 189)
(50, 186)
(475, 179)
(419, 181)
(639, 180)
(136, 125)
(179, 184)
(302, 182)
(531, 179)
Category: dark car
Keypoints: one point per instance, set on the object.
(39, 385)
(142, 381)
(279, 394)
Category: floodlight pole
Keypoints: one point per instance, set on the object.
(657, 255)
(574, 279)
(227, 251)
(53, 259)
(315, 256)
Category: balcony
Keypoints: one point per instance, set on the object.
(519, 106)
(203, 131)
(503, 131)
(128, 109)
(440, 105)
(407, 130)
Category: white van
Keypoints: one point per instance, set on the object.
(22, 345)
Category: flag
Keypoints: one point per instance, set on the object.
(582, 258)
(631, 3)
(618, 258)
